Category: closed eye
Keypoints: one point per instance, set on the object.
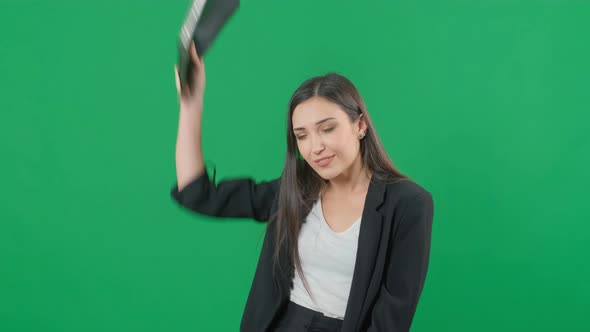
(325, 130)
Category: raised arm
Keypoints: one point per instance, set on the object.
(238, 197)
(189, 151)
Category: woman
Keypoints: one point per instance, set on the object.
(354, 229)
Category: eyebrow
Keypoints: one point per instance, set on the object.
(317, 123)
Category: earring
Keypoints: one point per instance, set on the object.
(361, 135)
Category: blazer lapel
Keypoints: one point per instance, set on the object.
(368, 246)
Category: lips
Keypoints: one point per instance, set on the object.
(324, 162)
(318, 160)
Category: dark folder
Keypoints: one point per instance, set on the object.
(204, 20)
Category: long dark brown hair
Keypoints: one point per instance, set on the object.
(300, 184)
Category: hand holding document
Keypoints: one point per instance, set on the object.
(203, 22)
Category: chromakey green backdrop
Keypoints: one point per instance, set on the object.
(484, 103)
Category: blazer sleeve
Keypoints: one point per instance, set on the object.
(406, 271)
(233, 198)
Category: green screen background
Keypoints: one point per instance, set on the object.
(484, 103)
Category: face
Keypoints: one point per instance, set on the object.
(322, 129)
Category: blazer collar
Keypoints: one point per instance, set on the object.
(368, 245)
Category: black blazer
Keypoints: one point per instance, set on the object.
(391, 261)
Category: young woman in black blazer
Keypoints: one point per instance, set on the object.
(355, 229)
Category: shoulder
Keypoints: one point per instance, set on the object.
(406, 194)
(406, 189)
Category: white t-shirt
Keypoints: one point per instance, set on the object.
(327, 259)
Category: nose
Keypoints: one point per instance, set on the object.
(317, 146)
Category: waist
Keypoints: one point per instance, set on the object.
(294, 309)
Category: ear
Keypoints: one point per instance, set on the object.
(362, 124)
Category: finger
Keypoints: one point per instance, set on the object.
(194, 55)
(194, 50)
(202, 68)
(177, 79)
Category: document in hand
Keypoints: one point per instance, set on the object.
(203, 21)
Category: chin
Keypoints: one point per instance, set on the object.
(326, 174)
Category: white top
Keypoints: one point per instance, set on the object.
(327, 260)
